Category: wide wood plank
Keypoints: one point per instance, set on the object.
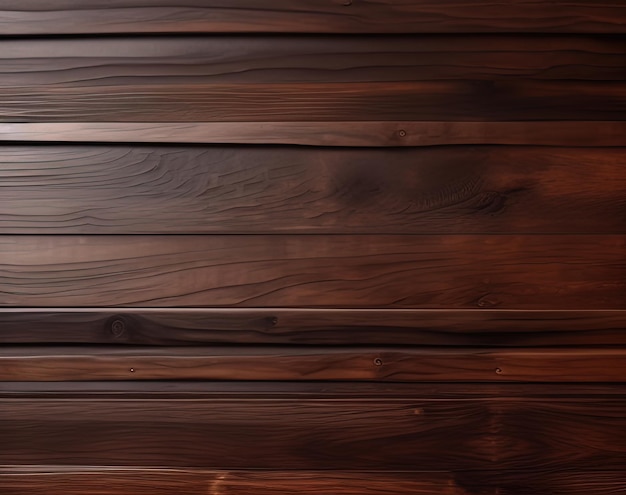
(462, 100)
(105, 480)
(37, 363)
(176, 326)
(371, 134)
(309, 16)
(143, 189)
(114, 481)
(452, 435)
(462, 271)
(115, 62)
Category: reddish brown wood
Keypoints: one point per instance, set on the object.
(309, 16)
(456, 100)
(520, 435)
(21, 363)
(370, 134)
(115, 62)
(177, 326)
(113, 481)
(148, 189)
(463, 271)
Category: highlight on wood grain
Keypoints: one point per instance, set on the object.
(353, 271)
(32, 363)
(124, 61)
(158, 100)
(178, 326)
(136, 481)
(106, 480)
(137, 189)
(467, 436)
(371, 134)
(24, 17)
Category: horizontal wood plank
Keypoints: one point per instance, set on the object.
(370, 134)
(114, 481)
(18, 17)
(133, 326)
(118, 62)
(143, 189)
(247, 363)
(460, 100)
(36, 363)
(452, 435)
(462, 271)
(105, 480)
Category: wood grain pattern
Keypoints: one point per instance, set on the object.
(309, 16)
(370, 134)
(462, 271)
(176, 326)
(114, 62)
(462, 100)
(452, 435)
(103, 480)
(185, 190)
(37, 363)
(114, 481)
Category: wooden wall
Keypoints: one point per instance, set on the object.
(318, 247)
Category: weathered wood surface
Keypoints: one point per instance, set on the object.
(18, 17)
(461, 271)
(176, 326)
(517, 434)
(370, 134)
(457, 100)
(143, 189)
(114, 62)
(103, 480)
(37, 363)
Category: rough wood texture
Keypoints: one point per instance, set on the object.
(21, 363)
(310, 16)
(518, 434)
(173, 326)
(114, 62)
(370, 134)
(462, 271)
(103, 480)
(140, 189)
(459, 100)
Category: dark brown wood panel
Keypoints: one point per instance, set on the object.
(309, 16)
(370, 134)
(115, 481)
(36, 363)
(461, 271)
(136, 326)
(116, 62)
(452, 435)
(462, 100)
(142, 189)
(103, 480)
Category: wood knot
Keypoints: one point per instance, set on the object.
(118, 328)
(378, 362)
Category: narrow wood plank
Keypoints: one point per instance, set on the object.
(457, 100)
(18, 17)
(573, 133)
(452, 435)
(116, 62)
(104, 480)
(179, 326)
(461, 271)
(143, 189)
(113, 481)
(37, 363)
